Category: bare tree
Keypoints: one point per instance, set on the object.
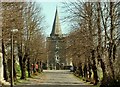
(95, 27)
(27, 18)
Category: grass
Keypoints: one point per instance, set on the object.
(18, 71)
(21, 81)
(100, 76)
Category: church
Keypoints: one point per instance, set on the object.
(56, 44)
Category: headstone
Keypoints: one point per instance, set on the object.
(2, 81)
(1, 67)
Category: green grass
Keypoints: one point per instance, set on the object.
(18, 71)
(100, 74)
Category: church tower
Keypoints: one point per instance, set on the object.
(56, 46)
(56, 29)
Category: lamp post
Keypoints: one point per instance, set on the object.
(12, 31)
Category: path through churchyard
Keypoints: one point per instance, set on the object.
(54, 78)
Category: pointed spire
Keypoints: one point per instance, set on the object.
(56, 29)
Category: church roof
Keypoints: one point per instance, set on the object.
(56, 29)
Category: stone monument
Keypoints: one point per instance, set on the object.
(2, 81)
(1, 67)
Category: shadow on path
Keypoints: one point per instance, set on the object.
(53, 78)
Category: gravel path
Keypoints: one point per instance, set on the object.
(54, 78)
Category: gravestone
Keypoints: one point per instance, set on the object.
(2, 81)
(1, 67)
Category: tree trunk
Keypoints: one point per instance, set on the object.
(110, 60)
(80, 70)
(99, 49)
(23, 69)
(89, 69)
(94, 68)
(34, 69)
(23, 76)
(4, 62)
(14, 68)
(104, 72)
(40, 68)
(85, 71)
(29, 67)
(74, 68)
(20, 62)
(114, 52)
(112, 27)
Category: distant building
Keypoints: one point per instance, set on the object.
(56, 44)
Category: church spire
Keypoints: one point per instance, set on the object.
(56, 29)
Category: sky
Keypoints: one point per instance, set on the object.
(48, 10)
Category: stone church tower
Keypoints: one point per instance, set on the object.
(56, 46)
